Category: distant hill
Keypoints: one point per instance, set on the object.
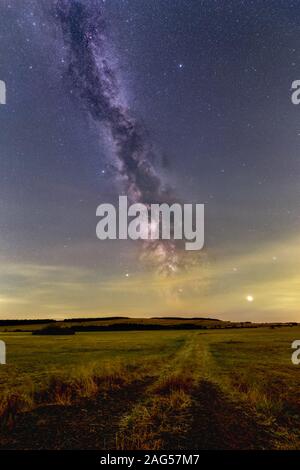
(185, 318)
(49, 326)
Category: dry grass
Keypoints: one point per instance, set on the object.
(251, 367)
(11, 404)
(162, 419)
(65, 390)
(158, 423)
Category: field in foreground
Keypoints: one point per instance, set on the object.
(213, 389)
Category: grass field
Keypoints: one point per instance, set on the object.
(151, 390)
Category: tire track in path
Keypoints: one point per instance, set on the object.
(88, 424)
(216, 422)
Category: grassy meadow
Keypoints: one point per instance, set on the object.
(214, 388)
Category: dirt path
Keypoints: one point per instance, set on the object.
(214, 422)
(90, 424)
(218, 423)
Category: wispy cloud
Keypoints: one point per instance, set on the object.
(219, 288)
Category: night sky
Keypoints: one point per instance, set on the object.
(204, 87)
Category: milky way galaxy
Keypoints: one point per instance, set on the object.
(95, 78)
(93, 75)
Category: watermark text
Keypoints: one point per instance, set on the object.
(2, 92)
(296, 354)
(2, 352)
(152, 222)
